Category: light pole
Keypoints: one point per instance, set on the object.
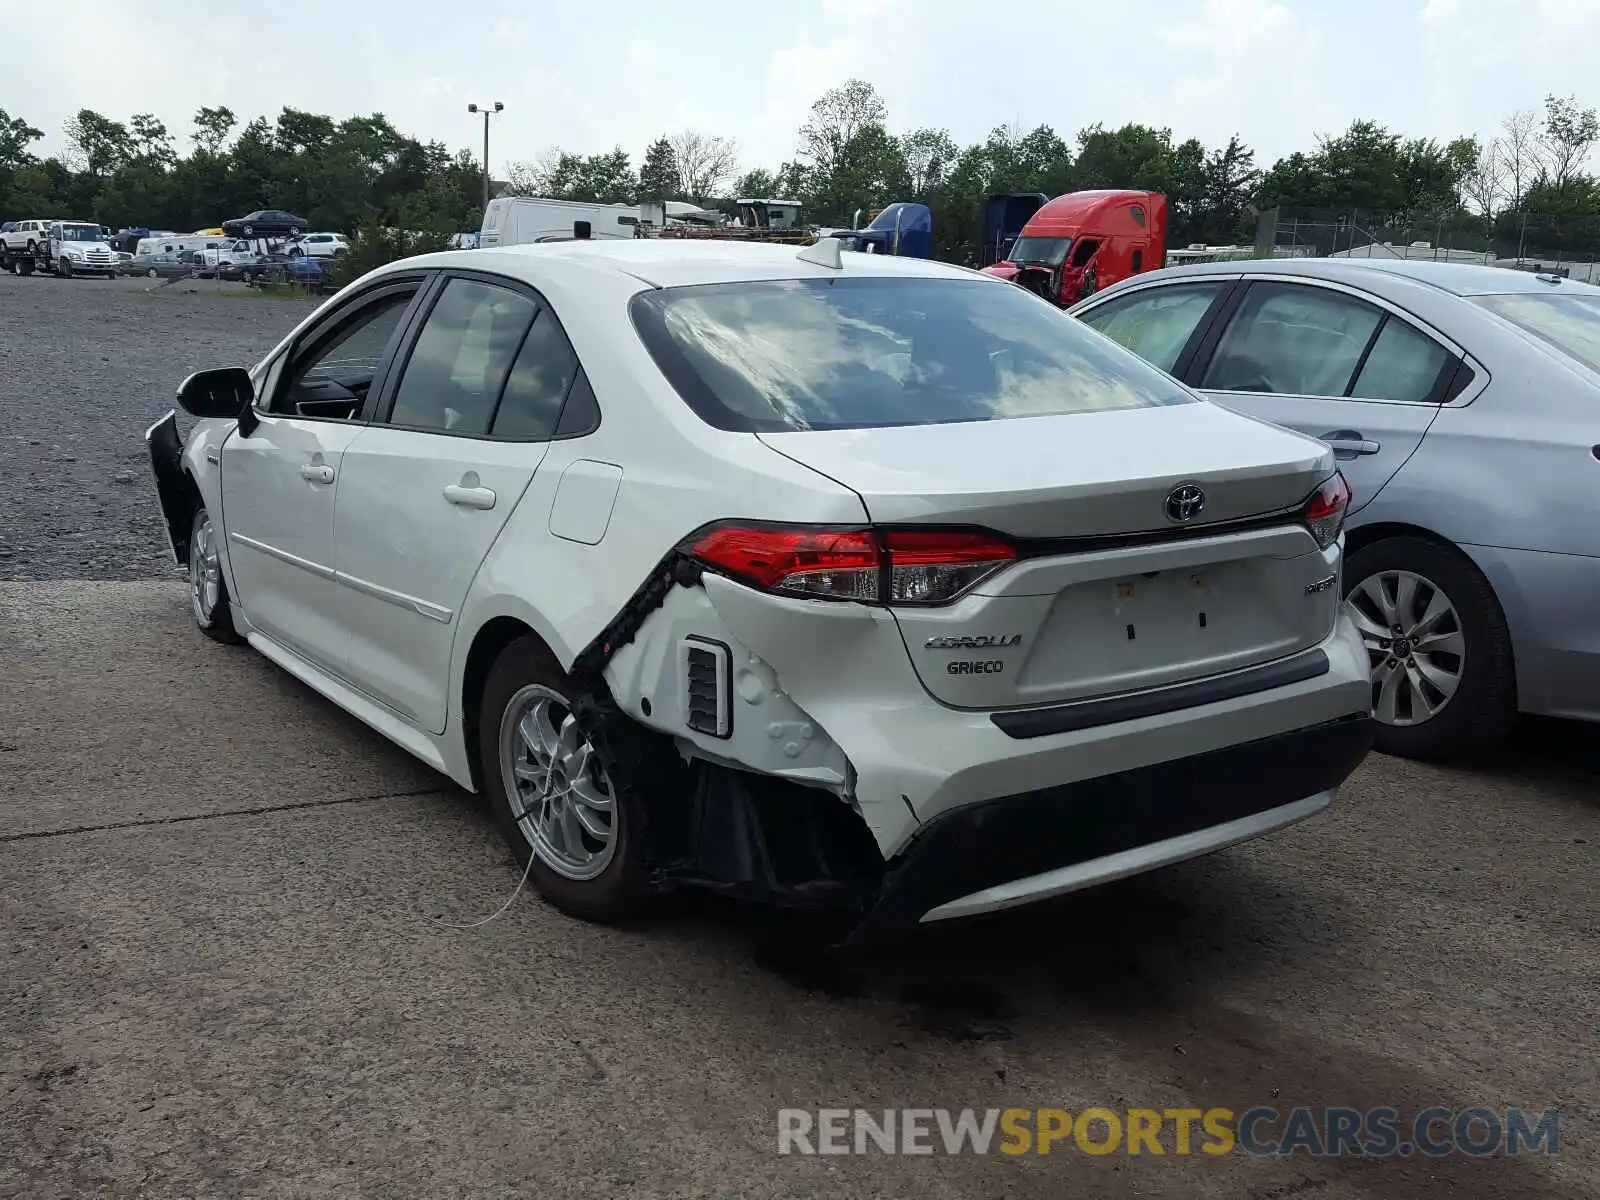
(487, 112)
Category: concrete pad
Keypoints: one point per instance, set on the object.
(114, 708)
(279, 1003)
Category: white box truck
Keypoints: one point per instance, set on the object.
(517, 220)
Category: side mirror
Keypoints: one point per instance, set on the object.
(224, 392)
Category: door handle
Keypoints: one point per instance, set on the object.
(1348, 443)
(317, 472)
(469, 497)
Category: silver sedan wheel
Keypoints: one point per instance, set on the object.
(1414, 642)
(205, 571)
(561, 797)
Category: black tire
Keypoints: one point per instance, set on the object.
(1483, 709)
(217, 624)
(26, 266)
(620, 892)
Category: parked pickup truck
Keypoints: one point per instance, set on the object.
(65, 248)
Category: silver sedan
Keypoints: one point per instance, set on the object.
(170, 265)
(1464, 405)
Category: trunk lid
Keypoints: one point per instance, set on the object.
(1098, 619)
(1076, 475)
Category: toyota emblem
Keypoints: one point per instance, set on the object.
(1185, 502)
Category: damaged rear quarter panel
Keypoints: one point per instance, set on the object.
(846, 666)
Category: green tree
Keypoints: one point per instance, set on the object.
(212, 127)
(756, 184)
(100, 143)
(1570, 132)
(658, 176)
(596, 178)
(16, 135)
(835, 120)
(929, 155)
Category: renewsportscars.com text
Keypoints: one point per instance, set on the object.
(1260, 1131)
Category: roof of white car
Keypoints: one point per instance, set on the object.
(678, 263)
(1460, 279)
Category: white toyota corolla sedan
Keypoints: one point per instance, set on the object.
(826, 579)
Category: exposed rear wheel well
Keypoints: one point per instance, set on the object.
(494, 637)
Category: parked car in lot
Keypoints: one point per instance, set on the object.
(168, 265)
(270, 222)
(318, 245)
(244, 268)
(821, 579)
(1461, 402)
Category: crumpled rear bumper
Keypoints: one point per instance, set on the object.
(1022, 848)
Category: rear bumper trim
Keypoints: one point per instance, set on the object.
(1089, 714)
(1035, 844)
(1130, 862)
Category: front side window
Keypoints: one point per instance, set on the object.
(461, 358)
(1570, 323)
(331, 377)
(869, 352)
(1293, 340)
(1157, 323)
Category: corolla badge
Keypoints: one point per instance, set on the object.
(1185, 502)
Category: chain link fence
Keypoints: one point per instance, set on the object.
(1568, 246)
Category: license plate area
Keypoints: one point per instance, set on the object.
(1129, 632)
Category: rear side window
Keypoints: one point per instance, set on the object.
(537, 387)
(461, 359)
(1402, 365)
(871, 352)
(1293, 340)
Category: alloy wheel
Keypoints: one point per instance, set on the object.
(1415, 644)
(561, 798)
(205, 571)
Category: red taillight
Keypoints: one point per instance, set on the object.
(891, 567)
(935, 566)
(1325, 512)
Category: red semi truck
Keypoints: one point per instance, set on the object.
(1080, 242)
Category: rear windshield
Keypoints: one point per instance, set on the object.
(1569, 323)
(872, 352)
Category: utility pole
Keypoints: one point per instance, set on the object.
(487, 111)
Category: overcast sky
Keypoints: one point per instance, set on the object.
(586, 76)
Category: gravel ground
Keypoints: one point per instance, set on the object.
(102, 362)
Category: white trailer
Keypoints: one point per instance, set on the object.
(517, 220)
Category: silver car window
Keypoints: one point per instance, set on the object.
(1156, 323)
(1404, 365)
(1292, 340)
(1569, 323)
